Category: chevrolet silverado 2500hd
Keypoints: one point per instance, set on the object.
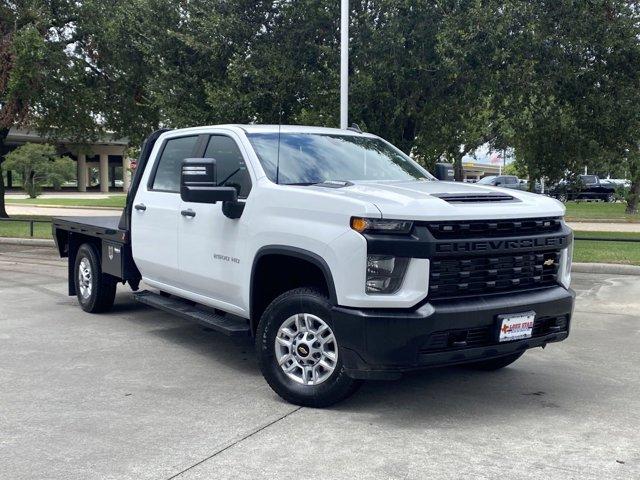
(340, 255)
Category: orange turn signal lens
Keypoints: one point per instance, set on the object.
(359, 224)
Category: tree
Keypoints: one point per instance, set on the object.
(566, 77)
(556, 81)
(514, 168)
(39, 87)
(39, 164)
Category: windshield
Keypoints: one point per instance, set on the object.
(315, 158)
(487, 180)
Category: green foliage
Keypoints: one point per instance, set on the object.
(39, 164)
(515, 168)
(557, 81)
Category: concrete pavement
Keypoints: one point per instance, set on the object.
(66, 194)
(61, 212)
(605, 227)
(137, 394)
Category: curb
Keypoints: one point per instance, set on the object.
(606, 268)
(9, 204)
(34, 242)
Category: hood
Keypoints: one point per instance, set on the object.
(431, 200)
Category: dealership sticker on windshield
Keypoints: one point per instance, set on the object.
(517, 326)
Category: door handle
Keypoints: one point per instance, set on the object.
(188, 213)
(141, 207)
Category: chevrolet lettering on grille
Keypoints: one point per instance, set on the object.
(501, 245)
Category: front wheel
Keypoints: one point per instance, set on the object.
(298, 351)
(610, 198)
(95, 290)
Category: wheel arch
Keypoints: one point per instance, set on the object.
(286, 252)
(73, 243)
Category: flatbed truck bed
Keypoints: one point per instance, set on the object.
(113, 242)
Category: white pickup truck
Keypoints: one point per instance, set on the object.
(340, 255)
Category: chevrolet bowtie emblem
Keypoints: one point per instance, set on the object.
(549, 262)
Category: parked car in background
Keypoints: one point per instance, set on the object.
(504, 181)
(524, 185)
(586, 187)
(619, 182)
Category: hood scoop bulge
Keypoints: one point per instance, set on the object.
(475, 197)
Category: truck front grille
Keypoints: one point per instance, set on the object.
(468, 276)
(494, 228)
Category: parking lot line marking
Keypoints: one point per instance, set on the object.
(235, 442)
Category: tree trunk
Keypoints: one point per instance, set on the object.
(31, 185)
(634, 194)
(458, 169)
(3, 135)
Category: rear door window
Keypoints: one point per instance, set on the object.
(167, 171)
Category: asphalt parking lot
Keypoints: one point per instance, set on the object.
(137, 394)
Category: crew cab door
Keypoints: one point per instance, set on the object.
(211, 245)
(155, 217)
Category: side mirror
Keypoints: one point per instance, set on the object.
(497, 184)
(198, 183)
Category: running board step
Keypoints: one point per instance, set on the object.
(233, 327)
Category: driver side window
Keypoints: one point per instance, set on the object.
(231, 168)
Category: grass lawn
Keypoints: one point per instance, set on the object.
(585, 211)
(606, 252)
(16, 229)
(113, 201)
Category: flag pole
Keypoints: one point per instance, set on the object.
(344, 64)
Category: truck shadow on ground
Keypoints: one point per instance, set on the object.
(454, 394)
(224, 352)
(457, 395)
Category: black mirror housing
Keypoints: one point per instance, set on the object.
(198, 183)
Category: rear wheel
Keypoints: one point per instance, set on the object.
(95, 290)
(495, 363)
(610, 198)
(298, 351)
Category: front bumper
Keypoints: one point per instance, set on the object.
(381, 344)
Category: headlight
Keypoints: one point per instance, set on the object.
(564, 269)
(385, 273)
(378, 225)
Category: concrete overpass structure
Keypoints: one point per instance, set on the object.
(107, 156)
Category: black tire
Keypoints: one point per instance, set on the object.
(495, 363)
(337, 385)
(102, 292)
(610, 198)
(562, 197)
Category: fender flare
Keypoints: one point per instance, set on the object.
(298, 253)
